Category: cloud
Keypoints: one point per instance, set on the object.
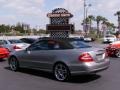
(29, 11)
(72, 5)
(108, 5)
(105, 8)
(34, 11)
(28, 6)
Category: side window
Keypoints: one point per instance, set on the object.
(5, 42)
(65, 45)
(49, 45)
(2, 42)
(53, 45)
(41, 45)
(58, 45)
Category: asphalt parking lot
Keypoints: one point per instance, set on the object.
(27, 79)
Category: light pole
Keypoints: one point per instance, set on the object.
(86, 7)
(84, 26)
(87, 24)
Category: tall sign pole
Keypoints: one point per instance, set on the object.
(119, 23)
(84, 9)
(84, 21)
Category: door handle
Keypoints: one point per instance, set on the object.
(29, 52)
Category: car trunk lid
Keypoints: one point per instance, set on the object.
(97, 54)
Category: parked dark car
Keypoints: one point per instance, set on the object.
(62, 57)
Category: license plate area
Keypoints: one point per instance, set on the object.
(100, 57)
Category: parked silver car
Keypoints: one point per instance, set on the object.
(62, 57)
(13, 44)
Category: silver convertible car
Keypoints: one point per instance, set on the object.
(62, 57)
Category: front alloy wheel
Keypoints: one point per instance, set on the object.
(61, 72)
(117, 54)
(13, 64)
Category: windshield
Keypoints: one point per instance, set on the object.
(15, 41)
(79, 44)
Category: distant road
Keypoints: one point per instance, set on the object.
(98, 45)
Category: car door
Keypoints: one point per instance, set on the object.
(38, 56)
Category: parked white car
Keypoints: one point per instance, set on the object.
(14, 44)
(87, 39)
(109, 39)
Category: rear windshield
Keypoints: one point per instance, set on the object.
(62, 44)
(79, 44)
(74, 44)
(15, 41)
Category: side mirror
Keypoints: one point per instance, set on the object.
(27, 50)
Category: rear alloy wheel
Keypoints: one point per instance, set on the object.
(14, 65)
(61, 72)
(117, 54)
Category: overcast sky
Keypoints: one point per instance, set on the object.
(34, 12)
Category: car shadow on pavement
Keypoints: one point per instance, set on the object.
(113, 58)
(84, 78)
(2, 60)
(34, 72)
(74, 79)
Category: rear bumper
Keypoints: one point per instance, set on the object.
(89, 68)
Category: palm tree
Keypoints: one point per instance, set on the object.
(98, 20)
(104, 20)
(91, 18)
(118, 14)
(111, 26)
(85, 25)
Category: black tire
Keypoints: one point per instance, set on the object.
(117, 53)
(61, 72)
(14, 64)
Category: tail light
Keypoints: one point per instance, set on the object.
(16, 47)
(85, 57)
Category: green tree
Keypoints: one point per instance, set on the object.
(19, 28)
(91, 18)
(98, 20)
(118, 14)
(4, 28)
(111, 27)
